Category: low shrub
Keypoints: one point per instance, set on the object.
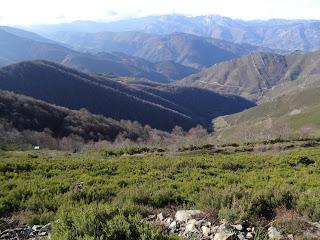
(96, 222)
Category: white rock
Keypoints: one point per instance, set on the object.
(192, 221)
(160, 217)
(190, 228)
(185, 215)
(237, 227)
(223, 233)
(173, 225)
(274, 234)
(223, 236)
(151, 217)
(205, 231)
(214, 229)
(249, 235)
(168, 220)
(37, 227)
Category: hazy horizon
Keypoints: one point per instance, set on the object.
(36, 12)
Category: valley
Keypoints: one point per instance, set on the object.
(160, 127)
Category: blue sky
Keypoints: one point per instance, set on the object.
(27, 12)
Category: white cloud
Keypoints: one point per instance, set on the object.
(52, 11)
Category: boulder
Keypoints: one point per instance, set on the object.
(173, 226)
(185, 215)
(224, 233)
(206, 231)
(168, 221)
(274, 234)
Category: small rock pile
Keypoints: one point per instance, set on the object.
(188, 225)
(10, 230)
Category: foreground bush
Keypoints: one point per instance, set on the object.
(100, 222)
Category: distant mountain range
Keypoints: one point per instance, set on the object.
(186, 49)
(277, 34)
(28, 46)
(128, 70)
(259, 75)
(159, 106)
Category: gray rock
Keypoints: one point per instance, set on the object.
(191, 227)
(6, 224)
(151, 218)
(160, 217)
(224, 233)
(238, 227)
(241, 236)
(46, 229)
(37, 228)
(23, 232)
(185, 215)
(274, 234)
(8, 234)
(168, 220)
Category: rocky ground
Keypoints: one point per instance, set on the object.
(11, 230)
(190, 224)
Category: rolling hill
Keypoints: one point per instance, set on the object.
(295, 115)
(159, 106)
(258, 74)
(19, 113)
(186, 49)
(17, 45)
(275, 33)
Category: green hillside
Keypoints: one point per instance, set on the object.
(295, 115)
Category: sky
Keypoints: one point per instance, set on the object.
(32, 12)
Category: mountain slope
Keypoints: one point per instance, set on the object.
(28, 46)
(26, 34)
(162, 108)
(256, 75)
(277, 34)
(294, 115)
(20, 113)
(14, 48)
(186, 49)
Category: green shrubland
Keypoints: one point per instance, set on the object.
(100, 194)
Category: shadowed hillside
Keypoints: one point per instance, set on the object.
(158, 107)
(21, 113)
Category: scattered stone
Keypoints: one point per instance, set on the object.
(173, 226)
(249, 235)
(188, 225)
(160, 217)
(274, 234)
(206, 231)
(10, 230)
(290, 237)
(168, 221)
(37, 228)
(185, 215)
(151, 218)
(224, 233)
(238, 227)
(45, 230)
